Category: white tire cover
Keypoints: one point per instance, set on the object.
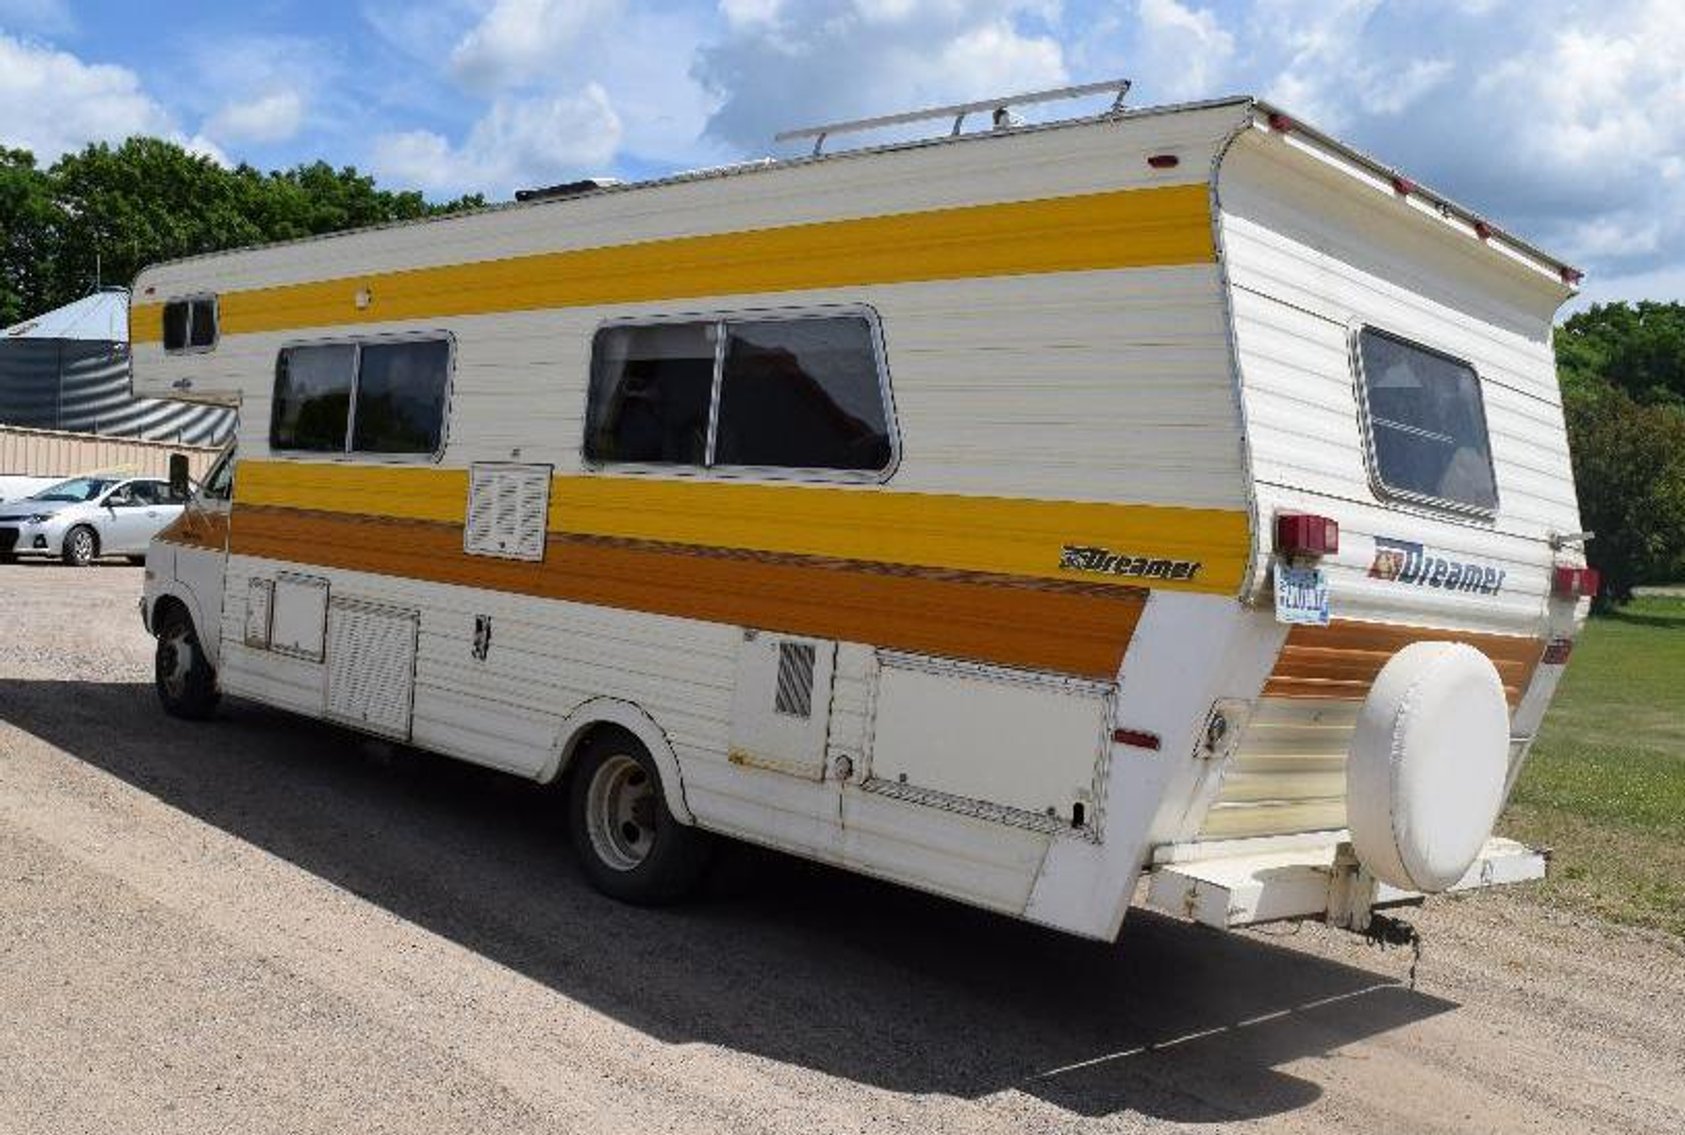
(1425, 775)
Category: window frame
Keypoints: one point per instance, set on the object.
(708, 468)
(357, 343)
(216, 322)
(1378, 484)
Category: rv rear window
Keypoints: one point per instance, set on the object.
(1426, 424)
(378, 396)
(190, 324)
(800, 392)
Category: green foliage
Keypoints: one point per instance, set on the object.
(1636, 348)
(100, 215)
(1623, 378)
(1605, 784)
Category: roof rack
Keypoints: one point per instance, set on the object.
(1001, 108)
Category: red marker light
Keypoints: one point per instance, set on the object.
(1572, 276)
(1402, 185)
(1280, 123)
(1483, 230)
(1575, 583)
(1139, 738)
(1164, 161)
(1305, 534)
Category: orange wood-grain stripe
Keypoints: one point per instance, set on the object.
(195, 528)
(1342, 660)
(1078, 630)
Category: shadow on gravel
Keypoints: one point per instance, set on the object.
(780, 959)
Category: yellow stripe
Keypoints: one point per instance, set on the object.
(1123, 229)
(993, 535)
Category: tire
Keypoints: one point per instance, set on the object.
(183, 677)
(81, 545)
(629, 843)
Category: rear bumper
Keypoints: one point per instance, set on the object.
(1278, 880)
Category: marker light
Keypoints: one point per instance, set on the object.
(1305, 534)
(1164, 161)
(1280, 123)
(1139, 738)
(1575, 583)
(1402, 185)
(1483, 230)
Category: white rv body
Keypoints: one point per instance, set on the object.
(1037, 649)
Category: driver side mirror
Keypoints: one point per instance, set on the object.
(179, 487)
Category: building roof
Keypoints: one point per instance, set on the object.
(101, 318)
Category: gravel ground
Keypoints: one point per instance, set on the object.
(264, 924)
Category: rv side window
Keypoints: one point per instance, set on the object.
(384, 396)
(190, 324)
(794, 392)
(401, 396)
(313, 397)
(650, 391)
(802, 394)
(1426, 423)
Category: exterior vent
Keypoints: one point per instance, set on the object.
(371, 665)
(508, 510)
(795, 679)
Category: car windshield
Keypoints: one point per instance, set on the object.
(76, 489)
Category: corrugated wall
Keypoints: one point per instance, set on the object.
(83, 387)
(56, 453)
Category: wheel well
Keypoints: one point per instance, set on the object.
(167, 606)
(597, 733)
(602, 716)
(91, 530)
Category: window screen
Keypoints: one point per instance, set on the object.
(802, 394)
(401, 396)
(312, 397)
(190, 324)
(1427, 423)
(651, 387)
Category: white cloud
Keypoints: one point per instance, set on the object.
(522, 40)
(1182, 48)
(798, 62)
(52, 102)
(518, 142)
(274, 117)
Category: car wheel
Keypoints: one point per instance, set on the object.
(630, 844)
(185, 681)
(80, 546)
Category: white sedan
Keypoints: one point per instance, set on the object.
(86, 517)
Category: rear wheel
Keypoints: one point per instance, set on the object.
(184, 679)
(80, 546)
(630, 844)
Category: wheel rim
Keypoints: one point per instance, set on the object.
(175, 658)
(82, 545)
(620, 813)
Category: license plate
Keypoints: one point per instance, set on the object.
(1301, 595)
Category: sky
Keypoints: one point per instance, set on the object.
(1563, 121)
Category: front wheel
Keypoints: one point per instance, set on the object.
(183, 676)
(80, 546)
(630, 844)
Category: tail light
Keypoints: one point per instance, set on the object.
(1575, 582)
(1305, 534)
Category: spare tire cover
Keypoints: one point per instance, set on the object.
(1426, 771)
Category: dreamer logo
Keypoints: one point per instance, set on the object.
(1104, 561)
(1401, 561)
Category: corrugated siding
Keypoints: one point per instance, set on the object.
(55, 453)
(83, 387)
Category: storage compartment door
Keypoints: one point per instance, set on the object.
(1030, 748)
(781, 709)
(371, 665)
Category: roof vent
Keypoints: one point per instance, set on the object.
(566, 189)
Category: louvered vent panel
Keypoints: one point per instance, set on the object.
(508, 510)
(371, 665)
(795, 679)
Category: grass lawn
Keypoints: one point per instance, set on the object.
(1605, 786)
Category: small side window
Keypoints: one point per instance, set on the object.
(190, 324)
(1426, 423)
(312, 404)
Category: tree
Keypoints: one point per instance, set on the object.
(1639, 349)
(1629, 467)
(100, 215)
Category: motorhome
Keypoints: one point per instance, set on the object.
(1170, 494)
